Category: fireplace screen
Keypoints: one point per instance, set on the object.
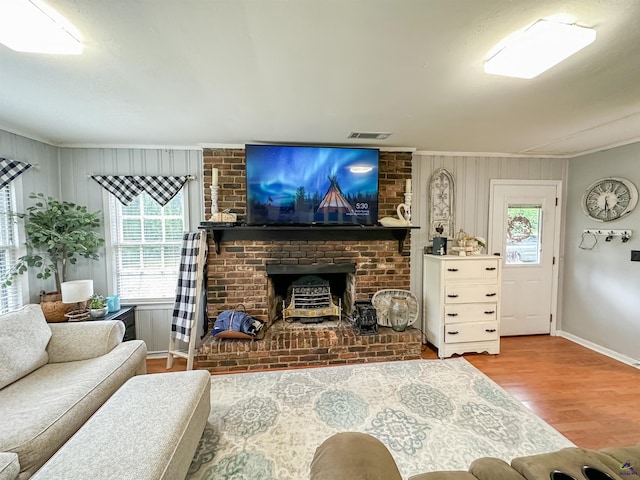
(311, 301)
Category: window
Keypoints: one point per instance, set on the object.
(10, 297)
(523, 234)
(147, 242)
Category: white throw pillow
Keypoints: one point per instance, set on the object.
(24, 335)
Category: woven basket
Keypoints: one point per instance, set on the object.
(53, 308)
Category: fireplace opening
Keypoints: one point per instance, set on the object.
(311, 300)
(310, 293)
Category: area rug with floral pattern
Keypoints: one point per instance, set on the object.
(431, 414)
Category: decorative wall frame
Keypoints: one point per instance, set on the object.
(442, 203)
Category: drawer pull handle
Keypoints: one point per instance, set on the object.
(452, 269)
(452, 314)
(490, 330)
(453, 333)
(490, 294)
(453, 295)
(490, 269)
(489, 312)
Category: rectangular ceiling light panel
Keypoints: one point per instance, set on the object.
(538, 48)
(32, 26)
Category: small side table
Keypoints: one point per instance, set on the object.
(127, 315)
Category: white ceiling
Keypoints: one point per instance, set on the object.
(203, 72)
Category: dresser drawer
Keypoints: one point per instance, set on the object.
(471, 332)
(471, 293)
(470, 312)
(469, 270)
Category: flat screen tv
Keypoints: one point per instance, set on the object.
(307, 185)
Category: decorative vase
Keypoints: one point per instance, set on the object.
(99, 312)
(398, 313)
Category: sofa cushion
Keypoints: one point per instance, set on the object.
(489, 468)
(49, 405)
(9, 466)
(567, 460)
(24, 335)
(72, 341)
(624, 460)
(444, 475)
(148, 430)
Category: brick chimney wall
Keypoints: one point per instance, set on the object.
(238, 274)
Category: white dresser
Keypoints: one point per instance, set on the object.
(461, 302)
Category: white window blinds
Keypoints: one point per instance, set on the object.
(10, 297)
(147, 240)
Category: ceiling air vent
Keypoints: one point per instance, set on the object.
(370, 135)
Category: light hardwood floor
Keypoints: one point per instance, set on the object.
(591, 399)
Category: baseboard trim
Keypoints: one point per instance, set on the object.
(600, 349)
(154, 355)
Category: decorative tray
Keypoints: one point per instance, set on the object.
(382, 299)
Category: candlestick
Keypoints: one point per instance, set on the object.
(408, 186)
(214, 177)
(407, 203)
(214, 203)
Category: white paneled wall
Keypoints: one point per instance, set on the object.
(472, 176)
(153, 324)
(42, 178)
(63, 173)
(153, 321)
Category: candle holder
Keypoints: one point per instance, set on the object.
(214, 203)
(407, 210)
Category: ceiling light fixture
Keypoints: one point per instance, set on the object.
(33, 26)
(537, 48)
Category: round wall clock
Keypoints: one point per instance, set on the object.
(609, 199)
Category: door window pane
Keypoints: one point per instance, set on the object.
(523, 234)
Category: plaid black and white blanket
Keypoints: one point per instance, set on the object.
(185, 304)
(10, 169)
(127, 187)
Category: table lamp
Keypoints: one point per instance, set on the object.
(77, 292)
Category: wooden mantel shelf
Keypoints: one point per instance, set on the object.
(306, 232)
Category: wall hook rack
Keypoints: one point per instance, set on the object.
(609, 233)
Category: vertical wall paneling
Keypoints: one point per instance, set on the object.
(43, 178)
(76, 164)
(63, 173)
(472, 177)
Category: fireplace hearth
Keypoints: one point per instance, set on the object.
(297, 345)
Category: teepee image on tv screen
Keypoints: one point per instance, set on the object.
(311, 185)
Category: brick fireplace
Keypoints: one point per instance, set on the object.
(238, 275)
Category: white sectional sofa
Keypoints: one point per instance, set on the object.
(53, 377)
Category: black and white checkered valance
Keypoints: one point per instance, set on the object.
(127, 187)
(11, 169)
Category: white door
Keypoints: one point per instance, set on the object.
(524, 229)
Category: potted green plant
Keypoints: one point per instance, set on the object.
(57, 233)
(97, 306)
